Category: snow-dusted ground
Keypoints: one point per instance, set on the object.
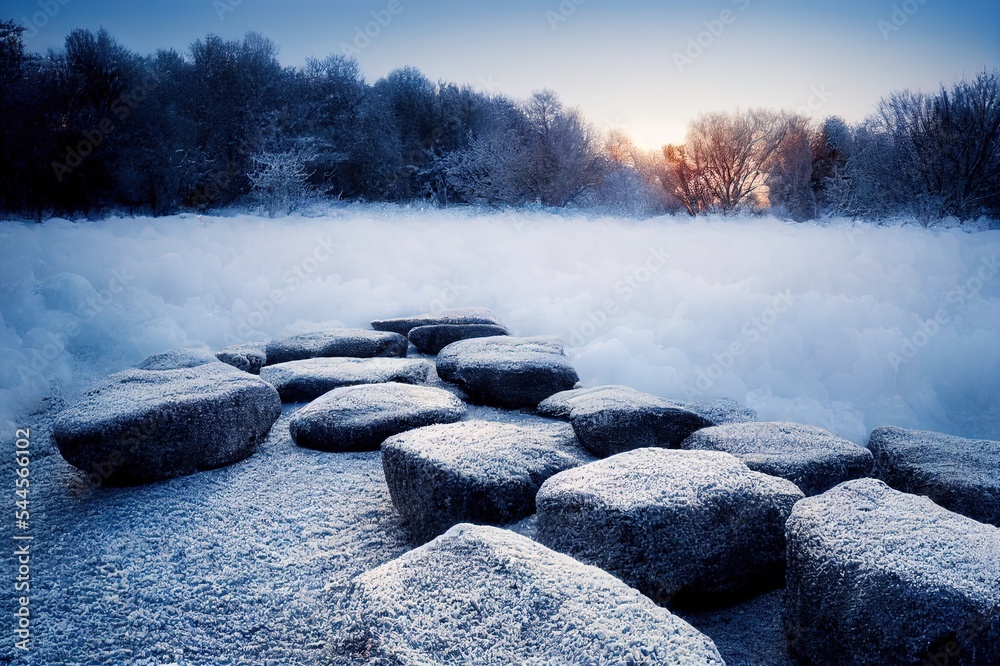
(842, 326)
(248, 564)
(243, 564)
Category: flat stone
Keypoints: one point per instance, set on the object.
(359, 418)
(719, 411)
(613, 419)
(145, 425)
(812, 458)
(958, 473)
(474, 471)
(877, 576)
(434, 338)
(480, 594)
(301, 381)
(248, 357)
(505, 371)
(353, 342)
(698, 528)
(403, 325)
(185, 357)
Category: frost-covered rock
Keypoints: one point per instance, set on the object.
(959, 474)
(433, 338)
(359, 418)
(451, 316)
(484, 595)
(812, 458)
(721, 411)
(186, 357)
(507, 372)
(248, 357)
(876, 576)
(143, 425)
(301, 381)
(613, 419)
(474, 471)
(355, 342)
(696, 526)
(718, 411)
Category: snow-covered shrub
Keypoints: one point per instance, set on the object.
(280, 181)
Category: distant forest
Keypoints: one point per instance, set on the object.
(95, 127)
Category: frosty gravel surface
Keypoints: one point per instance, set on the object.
(234, 566)
(227, 566)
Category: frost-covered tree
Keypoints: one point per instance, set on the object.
(631, 184)
(947, 146)
(733, 154)
(491, 169)
(232, 95)
(789, 177)
(832, 145)
(564, 154)
(683, 178)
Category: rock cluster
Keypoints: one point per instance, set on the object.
(630, 498)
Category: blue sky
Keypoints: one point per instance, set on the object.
(637, 65)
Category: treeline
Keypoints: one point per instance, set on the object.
(95, 127)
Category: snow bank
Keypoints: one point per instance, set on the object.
(839, 326)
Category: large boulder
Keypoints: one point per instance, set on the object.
(484, 595)
(876, 576)
(812, 458)
(359, 418)
(301, 381)
(695, 527)
(614, 419)
(432, 339)
(452, 316)
(144, 425)
(248, 357)
(507, 372)
(474, 471)
(354, 342)
(959, 474)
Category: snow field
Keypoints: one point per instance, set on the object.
(841, 326)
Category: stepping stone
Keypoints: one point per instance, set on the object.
(613, 419)
(480, 594)
(248, 357)
(507, 372)
(695, 527)
(301, 381)
(959, 474)
(474, 471)
(719, 411)
(452, 316)
(877, 576)
(186, 357)
(812, 458)
(359, 418)
(353, 342)
(432, 339)
(144, 425)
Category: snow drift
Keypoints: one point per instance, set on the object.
(840, 326)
